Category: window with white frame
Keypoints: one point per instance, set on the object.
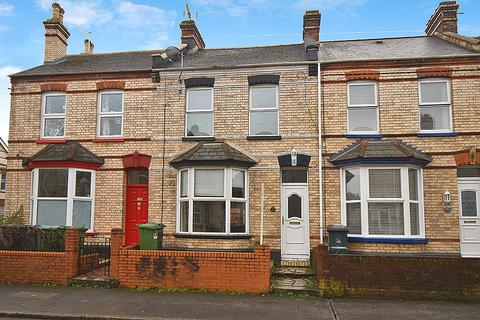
(53, 115)
(212, 200)
(63, 197)
(264, 110)
(110, 113)
(362, 99)
(382, 201)
(3, 182)
(435, 105)
(199, 112)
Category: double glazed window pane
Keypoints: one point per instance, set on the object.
(354, 218)
(110, 126)
(53, 183)
(111, 102)
(263, 97)
(184, 183)
(385, 218)
(352, 184)
(209, 216)
(237, 217)
(362, 119)
(199, 99)
(200, 124)
(435, 118)
(363, 94)
(82, 212)
(55, 104)
(184, 216)
(264, 123)
(209, 183)
(413, 184)
(294, 176)
(54, 127)
(83, 184)
(52, 212)
(434, 92)
(238, 184)
(384, 183)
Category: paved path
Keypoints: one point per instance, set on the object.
(73, 303)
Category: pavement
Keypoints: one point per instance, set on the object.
(38, 302)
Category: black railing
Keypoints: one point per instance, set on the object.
(94, 255)
(32, 238)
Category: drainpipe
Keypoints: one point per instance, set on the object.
(320, 177)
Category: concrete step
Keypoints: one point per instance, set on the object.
(296, 284)
(98, 282)
(298, 272)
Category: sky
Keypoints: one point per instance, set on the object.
(123, 25)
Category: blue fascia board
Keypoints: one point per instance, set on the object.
(389, 240)
(437, 134)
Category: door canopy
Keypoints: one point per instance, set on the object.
(136, 160)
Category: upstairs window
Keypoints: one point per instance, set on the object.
(199, 112)
(264, 110)
(435, 105)
(362, 107)
(3, 182)
(110, 114)
(53, 115)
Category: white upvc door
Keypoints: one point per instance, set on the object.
(294, 222)
(469, 205)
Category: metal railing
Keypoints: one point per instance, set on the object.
(94, 254)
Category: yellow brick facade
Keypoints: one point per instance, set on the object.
(145, 102)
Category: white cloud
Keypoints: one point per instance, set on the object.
(6, 9)
(136, 16)
(80, 13)
(5, 98)
(230, 7)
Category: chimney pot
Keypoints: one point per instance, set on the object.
(88, 46)
(191, 36)
(444, 19)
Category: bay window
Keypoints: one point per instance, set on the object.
(362, 107)
(212, 201)
(53, 115)
(264, 110)
(63, 197)
(199, 112)
(382, 201)
(435, 105)
(110, 114)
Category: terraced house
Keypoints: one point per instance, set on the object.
(233, 146)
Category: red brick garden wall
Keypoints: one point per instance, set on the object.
(214, 271)
(443, 276)
(31, 267)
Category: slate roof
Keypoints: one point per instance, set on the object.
(387, 48)
(380, 151)
(69, 151)
(213, 153)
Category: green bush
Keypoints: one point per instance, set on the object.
(14, 218)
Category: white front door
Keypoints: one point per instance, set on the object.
(469, 200)
(294, 223)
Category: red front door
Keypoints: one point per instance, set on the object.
(137, 212)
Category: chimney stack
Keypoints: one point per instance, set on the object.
(56, 35)
(444, 19)
(88, 46)
(311, 27)
(191, 36)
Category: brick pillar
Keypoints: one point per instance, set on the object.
(262, 255)
(71, 252)
(321, 256)
(116, 243)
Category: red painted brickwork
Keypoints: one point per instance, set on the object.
(45, 87)
(434, 72)
(214, 271)
(446, 276)
(112, 84)
(362, 75)
(39, 267)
